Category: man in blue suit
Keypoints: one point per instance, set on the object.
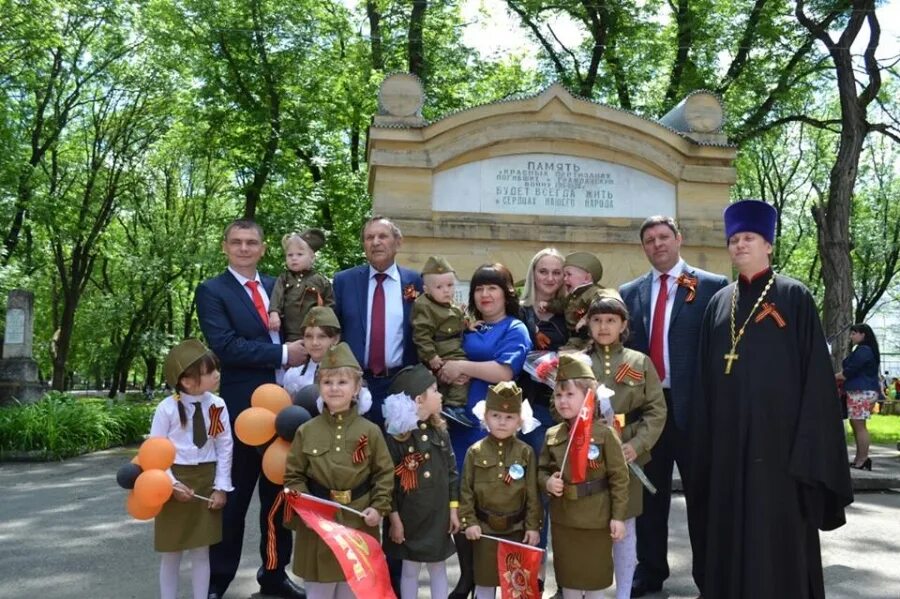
(232, 309)
(666, 309)
(374, 300)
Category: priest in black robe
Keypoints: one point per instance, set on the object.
(768, 453)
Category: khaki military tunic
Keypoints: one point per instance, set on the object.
(501, 505)
(437, 331)
(322, 451)
(424, 508)
(293, 296)
(639, 397)
(579, 526)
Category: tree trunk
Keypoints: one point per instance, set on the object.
(415, 43)
(64, 340)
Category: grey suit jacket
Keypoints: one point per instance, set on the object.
(683, 334)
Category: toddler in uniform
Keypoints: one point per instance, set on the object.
(299, 287)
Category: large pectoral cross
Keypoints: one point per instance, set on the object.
(730, 357)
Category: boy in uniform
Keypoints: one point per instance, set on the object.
(299, 287)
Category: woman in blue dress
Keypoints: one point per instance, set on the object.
(495, 351)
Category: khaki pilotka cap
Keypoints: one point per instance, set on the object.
(437, 265)
(571, 367)
(339, 356)
(412, 380)
(321, 316)
(505, 396)
(180, 359)
(314, 238)
(586, 261)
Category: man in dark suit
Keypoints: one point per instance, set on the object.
(373, 301)
(666, 309)
(233, 309)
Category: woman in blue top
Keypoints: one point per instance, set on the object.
(860, 376)
(495, 351)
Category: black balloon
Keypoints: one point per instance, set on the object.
(289, 420)
(127, 474)
(306, 398)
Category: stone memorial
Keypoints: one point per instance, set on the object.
(18, 370)
(498, 182)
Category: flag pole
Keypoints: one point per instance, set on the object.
(522, 545)
(326, 502)
(562, 466)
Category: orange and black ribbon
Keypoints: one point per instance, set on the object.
(594, 464)
(769, 309)
(359, 454)
(319, 300)
(689, 283)
(271, 545)
(215, 421)
(410, 293)
(406, 471)
(627, 372)
(541, 341)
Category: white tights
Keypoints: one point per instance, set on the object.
(578, 594)
(625, 560)
(409, 579)
(328, 590)
(170, 563)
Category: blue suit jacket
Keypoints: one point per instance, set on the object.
(684, 331)
(236, 333)
(351, 288)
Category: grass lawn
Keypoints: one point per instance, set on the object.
(884, 430)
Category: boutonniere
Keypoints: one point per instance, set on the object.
(514, 472)
(359, 453)
(410, 293)
(215, 421)
(580, 312)
(625, 371)
(769, 309)
(406, 470)
(690, 283)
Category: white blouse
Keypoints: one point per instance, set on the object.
(300, 376)
(218, 448)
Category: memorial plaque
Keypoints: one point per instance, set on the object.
(15, 327)
(553, 185)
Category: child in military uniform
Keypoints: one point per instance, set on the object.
(639, 396)
(499, 493)
(581, 274)
(321, 330)
(438, 326)
(341, 456)
(426, 484)
(584, 517)
(203, 452)
(299, 287)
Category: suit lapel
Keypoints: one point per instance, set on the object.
(644, 295)
(680, 294)
(362, 288)
(407, 306)
(242, 296)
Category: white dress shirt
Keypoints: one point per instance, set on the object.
(297, 377)
(275, 336)
(671, 288)
(393, 317)
(218, 449)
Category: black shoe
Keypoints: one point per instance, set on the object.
(639, 587)
(465, 587)
(457, 414)
(286, 589)
(867, 465)
(214, 595)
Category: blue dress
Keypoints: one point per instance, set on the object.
(505, 342)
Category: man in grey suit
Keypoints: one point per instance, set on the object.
(666, 309)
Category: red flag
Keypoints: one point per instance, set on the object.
(359, 555)
(518, 571)
(580, 440)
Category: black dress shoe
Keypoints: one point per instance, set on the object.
(286, 589)
(214, 595)
(640, 587)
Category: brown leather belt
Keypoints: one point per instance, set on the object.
(342, 497)
(500, 521)
(585, 489)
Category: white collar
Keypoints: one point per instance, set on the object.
(672, 272)
(391, 271)
(241, 278)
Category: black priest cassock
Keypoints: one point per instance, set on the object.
(767, 444)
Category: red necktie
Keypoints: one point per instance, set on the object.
(258, 301)
(376, 332)
(658, 329)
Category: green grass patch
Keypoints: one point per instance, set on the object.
(883, 429)
(61, 426)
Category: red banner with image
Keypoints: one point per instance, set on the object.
(518, 571)
(581, 439)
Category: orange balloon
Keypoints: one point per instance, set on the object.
(135, 460)
(138, 510)
(153, 488)
(255, 426)
(271, 397)
(156, 453)
(275, 460)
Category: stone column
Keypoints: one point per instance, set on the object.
(18, 370)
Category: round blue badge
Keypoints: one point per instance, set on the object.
(593, 452)
(516, 471)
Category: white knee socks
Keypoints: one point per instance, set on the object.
(625, 560)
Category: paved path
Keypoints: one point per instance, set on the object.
(64, 534)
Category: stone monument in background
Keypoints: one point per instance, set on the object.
(18, 370)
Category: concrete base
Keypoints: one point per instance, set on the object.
(19, 381)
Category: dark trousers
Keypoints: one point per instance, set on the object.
(378, 387)
(652, 526)
(224, 557)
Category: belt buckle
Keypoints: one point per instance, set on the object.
(342, 497)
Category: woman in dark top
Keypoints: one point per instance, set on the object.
(860, 376)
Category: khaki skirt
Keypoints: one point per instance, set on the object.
(582, 557)
(191, 524)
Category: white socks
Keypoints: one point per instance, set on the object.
(170, 563)
(409, 579)
(625, 560)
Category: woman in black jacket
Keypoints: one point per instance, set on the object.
(863, 388)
